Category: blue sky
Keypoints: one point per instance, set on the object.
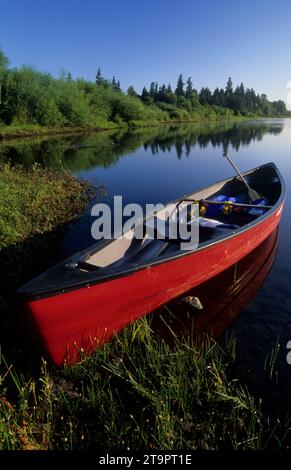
(145, 40)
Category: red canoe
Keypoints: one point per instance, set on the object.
(82, 301)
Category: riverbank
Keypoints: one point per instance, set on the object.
(37, 201)
(22, 132)
(11, 133)
(137, 392)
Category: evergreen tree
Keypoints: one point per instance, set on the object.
(216, 97)
(180, 86)
(161, 96)
(99, 78)
(166, 95)
(156, 88)
(146, 97)
(115, 84)
(250, 100)
(152, 89)
(222, 97)
(241, 90)
(189, 88)
(228, 88)
(205, 96)
(229, 101)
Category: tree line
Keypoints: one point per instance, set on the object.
(30, 97)
(241, 100)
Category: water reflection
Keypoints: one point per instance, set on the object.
(222, 297)
(106, 148)
(226, 134)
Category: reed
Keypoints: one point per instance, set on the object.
(137, 392)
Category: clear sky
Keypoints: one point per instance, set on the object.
(145, 40)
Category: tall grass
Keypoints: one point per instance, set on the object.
(137, 392)
(34, 202)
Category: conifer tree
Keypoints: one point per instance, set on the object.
(180, 86)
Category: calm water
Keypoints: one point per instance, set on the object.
(160, 164)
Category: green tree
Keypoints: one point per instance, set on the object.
(180, 86)
(99, 78)
(166, 95)
(152, 91)
(205, 96)
(279, 107)
(216, 97)
(266, 106)
(131, 92)
(162, 92)
(228, 88)
(32, 97)
(4, 61)
(189, 88)
(229, 102)
(146, 96)
(250, 100)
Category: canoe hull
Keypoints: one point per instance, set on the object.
(85, 318)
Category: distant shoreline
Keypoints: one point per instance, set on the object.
(11, 133)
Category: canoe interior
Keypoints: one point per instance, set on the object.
(109, 258)
(128, 249)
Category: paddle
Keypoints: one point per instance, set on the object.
(253, 195)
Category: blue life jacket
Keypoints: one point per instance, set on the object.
(215, 209)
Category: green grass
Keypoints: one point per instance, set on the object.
(137, 392)
(16, 132)
(34, 202)
(13, 132)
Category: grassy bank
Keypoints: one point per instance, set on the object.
(8, 133)
(35, 202)
(26, 131)
(135, 393)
